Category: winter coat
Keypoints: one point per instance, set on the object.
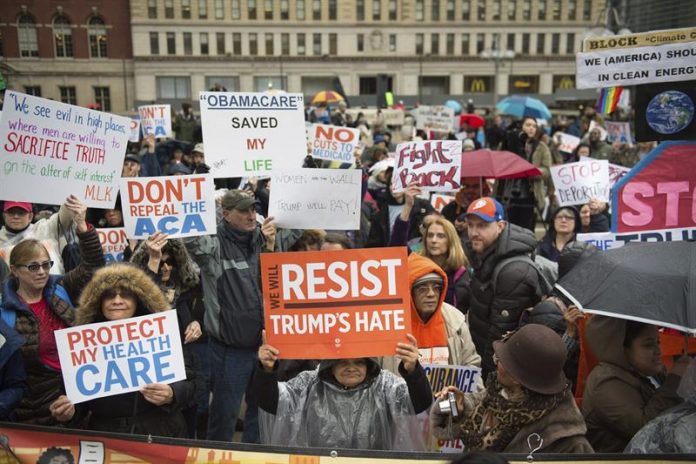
(540, 157)
(130, 412)
(12, 374)
(601, 151)
(490, 314)
(185, 126)
(617, 400)
(380, 229)
(46, 384)
(547, 246)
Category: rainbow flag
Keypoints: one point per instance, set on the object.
(608, 99)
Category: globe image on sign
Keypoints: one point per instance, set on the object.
(670, 112)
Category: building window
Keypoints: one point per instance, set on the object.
(541, 12)
(253, 43)
(393, 10)
(171, 88)
(284, 9)
(186, 9)
(169, 9)
(511, 42)
(205, 46)
(435, 10)
(587, 10)
(333, 44)
(511, 10)
(435, 44)
(450, 44)
(154, 43)
(496, 10)
(171, 43)
(392, 42)
(435, 85)
(263, 83)
(251, 9)
(555, 44)
(188, 43)
(62, 34)
(152, 9)
(300, 10)
(203, 9)
(526, 39)
(570, 44)
(229, 83)
(466, 10)
(68, 95)
(527, 10)
(301, 46)
(34, 90)
(480, 43)
(481, 10)
(361, 43)
(269, 45)
(26, 32)
(97, 37)
(420, 39)
(316, 10)
(466, 40)
(556, 10)
(420, 10)
(541, 44)
(220, 43)
(524, 84)
(237, 43)
(376, 10)
(572, 9)
(333, 10)
(268, 9)
(236, 10)
(219, 9)
(478, 84)
(284, 44)
(368, 85)
(563, 82)
(316, 44)
(102, 97)
(450, 10)
(360, 10)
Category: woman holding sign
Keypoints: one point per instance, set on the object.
(37, 303)
(345, 403)
(118, 292)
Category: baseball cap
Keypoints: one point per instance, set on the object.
(486, 208)
(236, 199)
(17, 204)
(132, 157)
(198, 148)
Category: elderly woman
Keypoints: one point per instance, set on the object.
(37, 303)
(117, 292)
(345, 403)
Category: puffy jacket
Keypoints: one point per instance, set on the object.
(12, 375)
(491, 315)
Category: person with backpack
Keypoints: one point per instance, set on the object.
(505, 279)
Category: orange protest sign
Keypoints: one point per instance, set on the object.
(338, 304)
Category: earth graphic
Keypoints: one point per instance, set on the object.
(669, 112)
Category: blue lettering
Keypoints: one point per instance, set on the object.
(193, 222)
(144, 226)
(142, 372)
(163, 225)
(160, 132)
(80, 374)
(114, 376)
(160, 366)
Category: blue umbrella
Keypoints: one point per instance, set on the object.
(455, 105)
(518, 105)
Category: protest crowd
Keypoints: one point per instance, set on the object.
(480, 278)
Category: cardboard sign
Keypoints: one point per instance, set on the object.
(567, 143)
(435, 118)
(616, 173)
(609, 240)
(316, 199)
(115, 357)
(389, 116)
(333, 143)
(619, 132)
(577, 183)
(249, 134)
(114, 242)
(439, 201)
(134, 131)
(51, 150)
(156, 120)
(338, 304)
(181, 206)
(666, 111)
(435, 165)
(659, 192)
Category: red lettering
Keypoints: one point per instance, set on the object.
(73, 338)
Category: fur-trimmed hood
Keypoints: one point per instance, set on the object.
(125, 276)
(184, 275)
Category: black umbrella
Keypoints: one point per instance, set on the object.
(648, 282)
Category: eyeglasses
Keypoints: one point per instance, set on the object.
(34, 267)
(169, 262)
(112, 293)
(566, 217)
(425, 289)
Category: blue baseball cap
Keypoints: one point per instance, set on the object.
(486, 208)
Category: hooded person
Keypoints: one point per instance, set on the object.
(630, 386)
(565, 224)
(440, 328)
(527, 401)
(344, 403)
(118, 292)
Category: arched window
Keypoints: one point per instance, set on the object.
(62, 36)
(97, 37)
(28, 41)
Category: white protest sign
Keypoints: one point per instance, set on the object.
(316, 199)
(567, 143)
(389, 116)
(134, 131)
(181, 206)
(439, 201)
(51, 150)
(156, 120)
(436, 165)
(610, 240)
(114, 242)
(249, 134)
(435, 118)
(619, 132)
(616, 173)
(578, 183)
(122, 356)
(333, 143)
(602, 130)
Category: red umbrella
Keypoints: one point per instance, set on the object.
(496, 165)
(473, 121)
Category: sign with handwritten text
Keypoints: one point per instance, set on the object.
(578, 183)
(435, 165)
(435, 118)
(181, 206)
(316, 199)
(156, 120)
(51, 150)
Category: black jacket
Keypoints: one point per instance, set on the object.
(380, 231)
